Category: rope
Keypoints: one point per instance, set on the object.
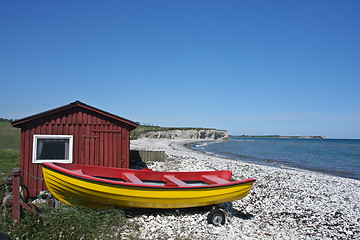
(34, 189)
(41, 179)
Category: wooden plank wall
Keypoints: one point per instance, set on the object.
(146, 156)
(97, 141)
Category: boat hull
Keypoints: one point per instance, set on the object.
(76, 190)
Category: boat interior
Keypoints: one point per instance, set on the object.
(149, 177)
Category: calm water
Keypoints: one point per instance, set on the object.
(339, 157)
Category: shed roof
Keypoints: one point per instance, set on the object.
(26, 120)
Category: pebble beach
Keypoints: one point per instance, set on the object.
(283, 203)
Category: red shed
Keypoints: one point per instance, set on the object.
(74, 133)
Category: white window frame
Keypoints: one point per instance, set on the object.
(35, 143)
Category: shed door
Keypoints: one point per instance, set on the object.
(105, 147)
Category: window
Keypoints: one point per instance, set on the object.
(52, 148)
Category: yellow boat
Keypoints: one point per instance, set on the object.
(103, 187)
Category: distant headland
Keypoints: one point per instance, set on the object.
(278, 136)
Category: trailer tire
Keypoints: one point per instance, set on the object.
(216, 217)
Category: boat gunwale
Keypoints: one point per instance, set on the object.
(99, 180)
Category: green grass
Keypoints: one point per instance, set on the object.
(67, 222)
(9, 159)
(10, 138)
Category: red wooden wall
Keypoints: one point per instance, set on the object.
(98, 140)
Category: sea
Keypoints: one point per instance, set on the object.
(339, 157)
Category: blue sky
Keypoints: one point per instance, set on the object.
(251, 67)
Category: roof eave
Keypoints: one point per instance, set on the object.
(20, 122)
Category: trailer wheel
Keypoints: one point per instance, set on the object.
(216, 217)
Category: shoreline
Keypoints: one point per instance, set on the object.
(274, 164)
(283, 203)
(278, 136)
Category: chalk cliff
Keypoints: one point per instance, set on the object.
(211, 134)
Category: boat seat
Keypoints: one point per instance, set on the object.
(131, 177)
(212, 179)
(77, 171)
(172, 180)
